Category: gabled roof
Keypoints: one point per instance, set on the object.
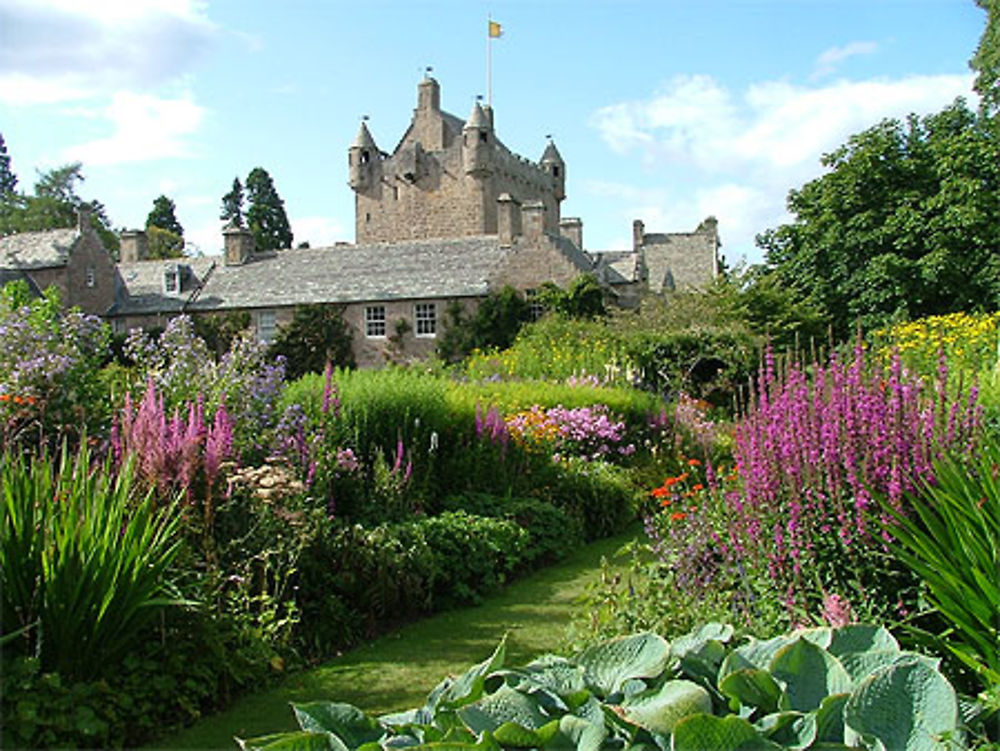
(37, 250)
(419, 269)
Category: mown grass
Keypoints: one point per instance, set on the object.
(397, 670)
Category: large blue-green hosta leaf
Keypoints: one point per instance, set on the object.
(347, 722)
(705, 732)
(609, 665)
(808, 674)
(468, 687)
(908, 706)
(660, 709)
(502, 706)
(752, 688)
(300, 741)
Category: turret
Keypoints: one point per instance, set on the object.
(363, 161)
(552, 163)
(477, 142)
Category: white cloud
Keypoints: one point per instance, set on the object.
(739, 152)
(64, 50)
(830, 59)
(146, 128)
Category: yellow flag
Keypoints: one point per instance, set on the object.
(496, 30)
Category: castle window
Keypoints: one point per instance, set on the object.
(365, 156)
(91, 276)
(375, 321)
(425, 314)
(555, 171)
(395, 192)
(484, 136)
(266, 326)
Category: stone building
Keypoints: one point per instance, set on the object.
(74, 261)
(449, 216)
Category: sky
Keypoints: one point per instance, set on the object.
(666, 111)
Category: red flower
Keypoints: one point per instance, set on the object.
(678, 516)
(694, 462)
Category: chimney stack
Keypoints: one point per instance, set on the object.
(533, 220)
(508, 219)
(239, 245)
(134, 246)
(572, 229)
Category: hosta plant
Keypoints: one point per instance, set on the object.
(848, 687)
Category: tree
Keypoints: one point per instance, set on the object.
(164, 216)
(8, 180)
(266, 216)
(583, 299)
(162, 243)
(232, 205)
(495, 324)
(54, 206)
(317, 334)
(986, 61)
(906, 223)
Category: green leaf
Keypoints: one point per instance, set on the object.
(830, 718)
(659, 710)
(607, 666)
(580, 734)
(861, 637)
(795, 730)
(345, 721)
(809, 674)
(300, 741)
(704, 732)
(503, 706)
(907, 706)
(469, 686)
(752, 688)
(756, 653)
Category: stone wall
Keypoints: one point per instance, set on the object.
(681, 261)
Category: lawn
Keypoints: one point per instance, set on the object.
(397, 670)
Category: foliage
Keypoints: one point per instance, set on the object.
(951, 540)
(162, 243)
(602, 496)
(232, 205)
(163, 215)
(495, 324)
(266, 216)
(49, 369)
(220, 330)
(84, 560)
(8, 180)
(54, 206)
(986, 61)
(816, 686)
(316, 335)
(584, 298)
(903, 225)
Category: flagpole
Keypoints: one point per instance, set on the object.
(489, 61)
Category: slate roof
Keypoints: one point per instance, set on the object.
(37, 250)
(615, 266)
(418, 269)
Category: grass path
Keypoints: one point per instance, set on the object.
(397, 670)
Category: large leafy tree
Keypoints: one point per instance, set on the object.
(266, 216)
(8, 180)
(906, 223)
(54, 205)
(986, 60)
(232, 205)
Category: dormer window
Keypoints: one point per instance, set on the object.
(172, 279)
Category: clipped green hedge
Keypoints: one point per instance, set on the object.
(846, 687)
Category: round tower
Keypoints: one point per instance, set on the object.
(477, 142)
(552, 163)
(363, 161)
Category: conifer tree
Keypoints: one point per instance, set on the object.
(266, 216)
(232, 205)
(164, 216)
(8, 180)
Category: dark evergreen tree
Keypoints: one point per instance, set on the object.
(266, 216)
(317, 334)
(232, 205)
(8, 180)
(164, 216)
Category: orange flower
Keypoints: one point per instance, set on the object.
(661, 492)
(678, 516)
(694, 462)
(665, 502)
(698, 487)
(4, 397)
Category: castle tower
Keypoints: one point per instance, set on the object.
(477, 143)
(363, 162)
(553, 164)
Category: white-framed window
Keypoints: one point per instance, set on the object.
(266, 325)
(91, 276)
(375, 321)
(425, 314)
(537, 309)
(172, 279)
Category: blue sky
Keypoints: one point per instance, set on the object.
(664, 111)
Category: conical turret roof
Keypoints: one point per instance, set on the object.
(478, 118)
(364, 138)
(551, 154)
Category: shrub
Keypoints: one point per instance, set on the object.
(316, 335)
(600, 495)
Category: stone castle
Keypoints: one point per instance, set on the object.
(448, 217)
